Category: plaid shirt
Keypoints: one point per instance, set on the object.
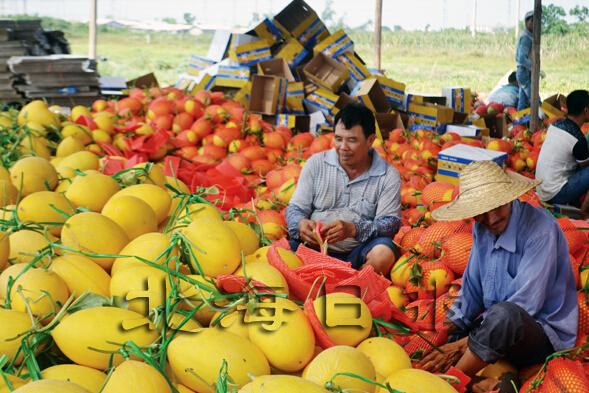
(325, 193)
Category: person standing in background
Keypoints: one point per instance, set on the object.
(523, 60)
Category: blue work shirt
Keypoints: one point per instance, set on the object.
(528, 264)
(523, 51)
(372, 201)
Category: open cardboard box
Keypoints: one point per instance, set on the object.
(371, 94)
(553, 106)
(299, 20)
(268, 94)
(326, 72)
(298, 123)
(277, 67)
(144, 82)
(386, 122)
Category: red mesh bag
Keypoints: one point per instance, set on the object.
(564, 375)
(229, 283)
(335, 275)
(462, 377)
(321, 336)
(419, 346)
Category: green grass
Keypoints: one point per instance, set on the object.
(426, 62)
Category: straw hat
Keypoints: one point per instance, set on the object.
(484, 186)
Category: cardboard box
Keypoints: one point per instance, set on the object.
(335, 45)
(219, 45)
(250, 53)
(187, 82)
(277, 67)
(321, 100)
(299, 20)
(393, 90)
(386, 122)
(326, 72)
(198, 64)
(552, 106)
(430, 116)
(268, 94)
(268, 31)
(144, 81)
(371, 94)
(222, 76)
(293, 52)
(243, 95)
(458, 98)
(469, 131)
(452, 160)
(298, 123)
(317, 121)
(295, 94)
(357, 69)
(423, 98)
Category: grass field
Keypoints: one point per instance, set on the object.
(425, 61)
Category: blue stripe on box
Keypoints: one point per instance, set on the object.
(392, 89)
(210, 83)
(458, 160)
(424, 117)
(232, 76)
(300, 57)
(275, 31)
(259, 50)
(296, 93)
(448, 173)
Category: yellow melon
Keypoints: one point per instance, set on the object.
(199, 369)
(42, 292)
(154, 196)
(81, 274)
(132, 376)
(214, 245)
(31, 174)
(47, 208)
(133, 215)
(92, 191)
(87, 377)
(94, 234)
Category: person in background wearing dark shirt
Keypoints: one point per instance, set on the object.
(563, 163)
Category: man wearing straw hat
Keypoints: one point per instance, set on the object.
(518, 300)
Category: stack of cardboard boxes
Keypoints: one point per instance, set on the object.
(294, 72)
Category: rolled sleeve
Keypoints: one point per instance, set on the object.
(387, 219)
(301, 204)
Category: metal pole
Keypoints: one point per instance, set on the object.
(377, 32)
(517, 14)
(473, 31)
(92, 30)
(535, 98)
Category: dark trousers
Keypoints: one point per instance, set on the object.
(508, 332)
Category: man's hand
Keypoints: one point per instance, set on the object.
(307, 232)
(436, 362)
(337, 231)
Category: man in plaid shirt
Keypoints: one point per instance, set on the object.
(353, 193)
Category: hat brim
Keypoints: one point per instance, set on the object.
(485, 198)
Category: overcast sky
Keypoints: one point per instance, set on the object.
(410, 15)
